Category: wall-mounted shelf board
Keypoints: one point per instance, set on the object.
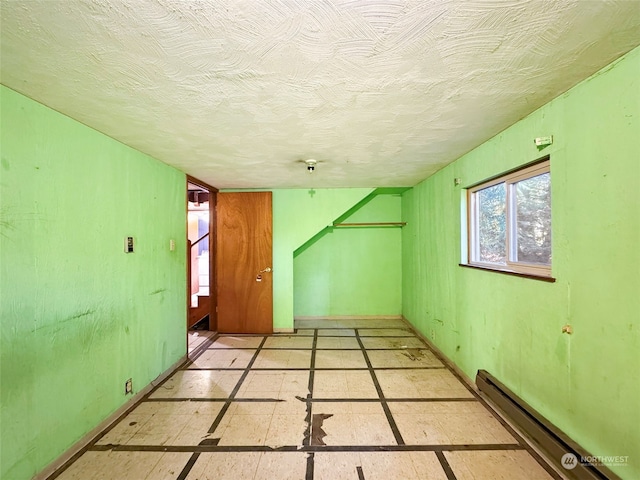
(371, 224)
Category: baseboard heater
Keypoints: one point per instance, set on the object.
(548, 438)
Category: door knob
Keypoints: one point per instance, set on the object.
(266, 270)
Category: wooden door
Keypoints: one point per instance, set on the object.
(243, 263)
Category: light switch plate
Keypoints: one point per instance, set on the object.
(128, 244)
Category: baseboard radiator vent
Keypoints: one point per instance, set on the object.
(567, 455)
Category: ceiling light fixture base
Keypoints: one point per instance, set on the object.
(311, 164)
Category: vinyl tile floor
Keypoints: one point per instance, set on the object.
(353, 399)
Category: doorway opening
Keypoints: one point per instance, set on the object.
(200, 255)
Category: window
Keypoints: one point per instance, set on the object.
(509, 221)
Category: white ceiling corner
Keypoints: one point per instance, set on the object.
(236, 93)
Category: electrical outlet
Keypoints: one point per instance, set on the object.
(433, 334)
(128, 387)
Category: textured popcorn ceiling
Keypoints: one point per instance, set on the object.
(236, 93)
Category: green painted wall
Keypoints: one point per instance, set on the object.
(588, 384)
(353, 271)
(298, 215)
(78, 315)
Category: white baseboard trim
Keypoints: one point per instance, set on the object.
(88, 438)
(443, 357)
(352, 317)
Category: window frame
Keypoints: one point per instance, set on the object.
(510, 179)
